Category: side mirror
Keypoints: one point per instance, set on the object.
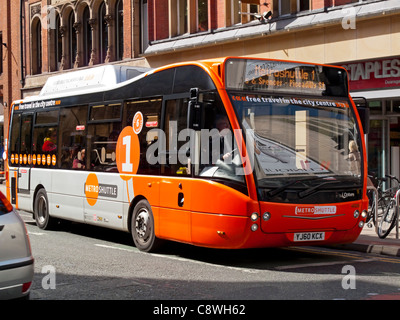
(195, 110)
(363, 112)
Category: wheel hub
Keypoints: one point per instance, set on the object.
(141, 224)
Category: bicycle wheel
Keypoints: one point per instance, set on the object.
(383, 202)
(388, 220)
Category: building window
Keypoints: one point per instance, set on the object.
(287, 7)
(103, 33)
(248, 10)
(235, 12)
(119, 29)
(58, 42)
(144, 30)
(72, 39)
(202, 15)
(36, 47)
(87, 36)
(303, 5)
(183, 26)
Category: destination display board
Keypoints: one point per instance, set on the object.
(285, 77)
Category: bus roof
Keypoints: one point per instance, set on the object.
(88, 80)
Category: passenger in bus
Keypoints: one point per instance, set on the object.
(225, 139)
(354, 157)
(49, 144)
(79, 161)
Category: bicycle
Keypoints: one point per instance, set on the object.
(382, 198)
(391, 209)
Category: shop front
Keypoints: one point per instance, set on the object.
(378, 81)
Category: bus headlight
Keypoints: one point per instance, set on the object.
(254, 216)
(254, 227)
(364, 214)
(266, 216)
(356, 214)
(361, 224)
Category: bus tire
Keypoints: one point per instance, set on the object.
(41, 210)
(142, 228)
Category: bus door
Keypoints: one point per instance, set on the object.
(22, 175)
(175, 183)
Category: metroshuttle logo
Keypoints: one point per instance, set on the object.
(92, 189)
(315, 210)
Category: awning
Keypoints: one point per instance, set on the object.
(376, 94)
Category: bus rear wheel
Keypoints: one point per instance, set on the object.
(142, 228)
(41, 210)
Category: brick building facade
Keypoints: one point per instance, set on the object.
(60, 36)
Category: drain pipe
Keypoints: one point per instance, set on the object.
(21, 41)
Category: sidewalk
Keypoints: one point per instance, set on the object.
(369, 242)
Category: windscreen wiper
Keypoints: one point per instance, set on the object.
(311, 190)
(279, 190)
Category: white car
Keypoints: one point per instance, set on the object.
(16, 260)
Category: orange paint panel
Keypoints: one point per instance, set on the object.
(175, 224)
(219, 231)
(212, 197)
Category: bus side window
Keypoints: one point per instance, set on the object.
(72, 136)
(177, 152)
(14, 145)
(149, 134)
(102, 135)
(45, 137)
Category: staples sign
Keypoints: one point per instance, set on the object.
(374, 74)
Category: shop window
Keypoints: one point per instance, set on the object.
(375, 107)
(392, 106)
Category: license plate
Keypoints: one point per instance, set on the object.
(309, 236)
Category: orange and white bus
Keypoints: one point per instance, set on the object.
(225, 153)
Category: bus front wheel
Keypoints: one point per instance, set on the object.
(142, 228)
(41, 210)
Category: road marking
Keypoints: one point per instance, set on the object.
(321, 264)
(36, 233)
(114, 247)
